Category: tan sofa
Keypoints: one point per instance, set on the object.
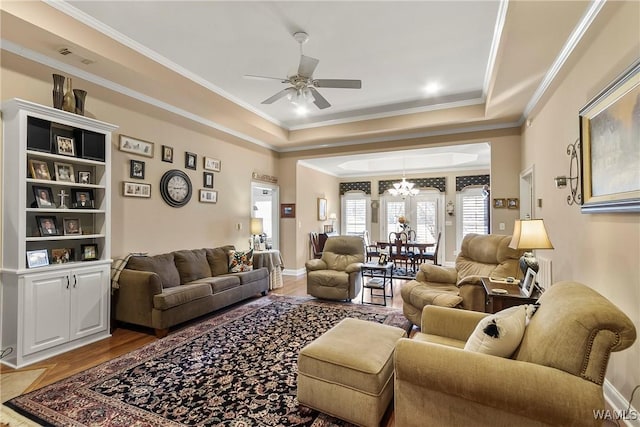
(164, 290)
(460, 286)
(336, 276)
(553, 379)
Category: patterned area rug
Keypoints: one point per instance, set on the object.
(235, 369)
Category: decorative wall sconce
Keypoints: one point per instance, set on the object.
(574, 174)
(450, 208)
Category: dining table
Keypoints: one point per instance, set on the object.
(417, 247)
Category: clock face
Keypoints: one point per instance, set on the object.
(175, 188)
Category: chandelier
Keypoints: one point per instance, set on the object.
(403, 189)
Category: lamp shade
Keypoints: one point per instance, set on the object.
(530, 234)
(256, 226)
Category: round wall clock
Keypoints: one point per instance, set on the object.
(175, 188)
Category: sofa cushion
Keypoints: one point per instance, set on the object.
(251, 276)
(240, 261)
(180, 295)
(163, 265)
(219, 260)
(499, 334)
(192, 264)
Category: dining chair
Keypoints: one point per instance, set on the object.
(316, 250)
(371, 250)
(398, 250)
(432, 255)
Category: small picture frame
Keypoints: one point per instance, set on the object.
(383, 259)
(64, 172)
(136, 146)
(136, 169)
(208, 196)
(65, 146)
(513, 203)
(287, 210)
(47, 226)
(529, 282)
(207, 179)
(39, 170)
(81, 199)
(37, 258)
(499, 203)
(44, 197)
(84, 177)
(61, 255)
(322, 209)
(212, 164)
(71, 226)
(328, 228)
(136, 189)
(89, 252)
(167, 154)
(190, 160)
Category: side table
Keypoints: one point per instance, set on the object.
(496, 301)
(377, 276)
(273, 261)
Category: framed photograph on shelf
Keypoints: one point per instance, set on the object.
(81, 199)
(84, 177)
(136, 146)
(37, 258)
(47, 226)
(208, 196)
(287, 210)
(61, 255)
(89, 252)
(71, 226)
(529, 282)
(64, 172)
(609, 145)
(65, 146)
(44, 197)
(499, 203)
(328, 228)
(39, 170)
(167, 154)
(136, 169)
(513, 203)
(207, 179)
(322, 209)
(136, 189)
(212, 164)
(190, 160)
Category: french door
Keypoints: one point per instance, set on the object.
(423, 211)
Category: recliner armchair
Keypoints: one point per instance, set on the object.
(336, 276)
(481, 255)
(554, 378)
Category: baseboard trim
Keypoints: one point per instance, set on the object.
(619, 404)
(298, 272)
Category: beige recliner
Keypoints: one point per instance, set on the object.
(480, 256)
(336, 275)
(554, 378)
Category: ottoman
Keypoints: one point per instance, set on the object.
(348, 371)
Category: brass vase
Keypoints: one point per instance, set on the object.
(69, 103)
(80, 96)
(58, 91)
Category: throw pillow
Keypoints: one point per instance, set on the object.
(499, 334)
(240, 261)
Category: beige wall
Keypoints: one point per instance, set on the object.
(600, 250)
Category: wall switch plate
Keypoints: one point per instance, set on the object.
(501, 226)
(239, 226)
(448, 223)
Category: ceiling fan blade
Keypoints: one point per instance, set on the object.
(319, 100)
(254, 77)
(338, 83)
(278, 95)
(307, 66)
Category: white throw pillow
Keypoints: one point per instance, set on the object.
(499, 334)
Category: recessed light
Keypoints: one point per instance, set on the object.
(432, 88)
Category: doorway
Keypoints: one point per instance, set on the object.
(265, 202)
(527, 193)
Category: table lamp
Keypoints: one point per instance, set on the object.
(255, 228)
(529, 234)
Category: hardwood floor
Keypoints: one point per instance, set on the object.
(124, 340)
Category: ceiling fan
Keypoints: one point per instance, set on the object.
(303, 86)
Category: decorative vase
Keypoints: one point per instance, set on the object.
(58, 91)
(69, 103)
(80, 97)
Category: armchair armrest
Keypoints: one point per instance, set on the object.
(437, 273)
(135, 296)
(511, 390)
(353, 268)
(449, 322)
(315, 264)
